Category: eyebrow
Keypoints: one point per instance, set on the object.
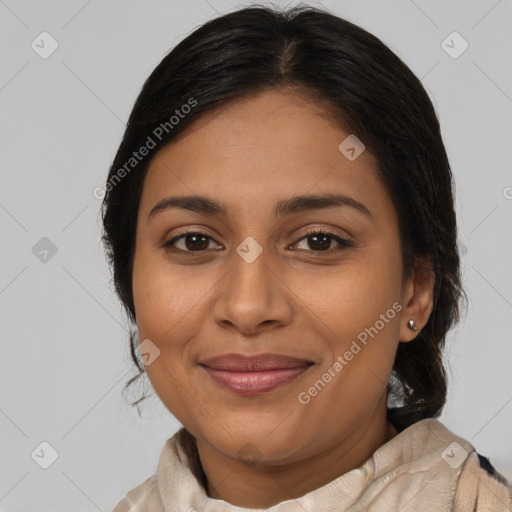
(296, 204)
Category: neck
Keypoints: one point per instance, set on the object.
(262, 486)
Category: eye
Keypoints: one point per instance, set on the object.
(191, 241)
(320, 241)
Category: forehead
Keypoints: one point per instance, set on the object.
(261, 149)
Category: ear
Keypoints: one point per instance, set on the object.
(418, 293)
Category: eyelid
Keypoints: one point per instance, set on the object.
(324, 231)
(343, 243)
(169, 244)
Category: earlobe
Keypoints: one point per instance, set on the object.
(418, 300)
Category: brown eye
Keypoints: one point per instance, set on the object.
(320, 241)
(191, 241)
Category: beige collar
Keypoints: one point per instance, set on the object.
(413, 467)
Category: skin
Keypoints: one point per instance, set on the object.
(294, 299)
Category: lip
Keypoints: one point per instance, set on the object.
(251, 375)
(261, 362)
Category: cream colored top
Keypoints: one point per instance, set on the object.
(425, 468)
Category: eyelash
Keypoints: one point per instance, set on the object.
(344, 244)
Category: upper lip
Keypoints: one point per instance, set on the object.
(261, 362)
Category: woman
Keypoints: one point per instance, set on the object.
(280, 223)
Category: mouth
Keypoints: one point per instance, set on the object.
(250, 375)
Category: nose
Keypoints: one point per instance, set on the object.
(252, 297)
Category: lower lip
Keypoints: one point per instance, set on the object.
(253, 383)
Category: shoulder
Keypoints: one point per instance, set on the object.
(173, 462)
(482, 487)
(456, 472)
(479, 486)
(143, 498)
(485, 464)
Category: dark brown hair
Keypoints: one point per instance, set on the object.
(373, 94)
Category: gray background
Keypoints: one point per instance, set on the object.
(65, 353)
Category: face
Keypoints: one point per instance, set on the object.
(251, 279)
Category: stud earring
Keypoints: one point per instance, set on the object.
(412, 325)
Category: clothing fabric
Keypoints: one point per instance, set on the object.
(424, 468)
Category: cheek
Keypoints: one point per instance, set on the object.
(362, 312)
(359, 311)
(163, 295)
(169, 304)
(352, 299)
(163, 309)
